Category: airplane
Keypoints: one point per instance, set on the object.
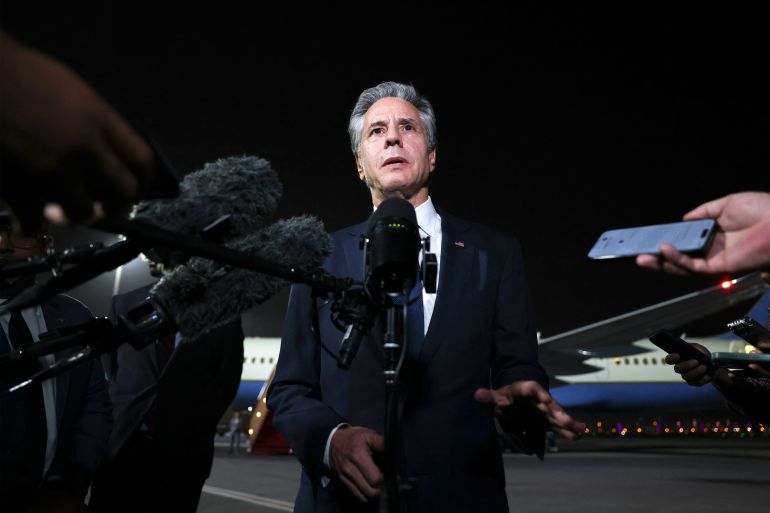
(608, 366)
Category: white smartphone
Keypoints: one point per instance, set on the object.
(686, 236)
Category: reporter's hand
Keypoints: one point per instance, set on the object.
(61, 142)
(350, 455)
(695, 373)
(741, 243)
(501, 398)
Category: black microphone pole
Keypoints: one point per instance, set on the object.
(153, 236)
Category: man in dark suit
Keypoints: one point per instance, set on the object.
(52, 435)
(168, 400)
(478, 355)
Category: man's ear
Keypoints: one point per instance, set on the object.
(432, 159)
(360, 168)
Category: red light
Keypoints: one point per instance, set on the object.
(726, 284)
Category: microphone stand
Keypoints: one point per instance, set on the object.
(395, 349)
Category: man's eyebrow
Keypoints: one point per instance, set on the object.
(401, 121)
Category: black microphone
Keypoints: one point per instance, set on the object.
(203, 294)
(195, 298)
(226, 198)
(392, 245)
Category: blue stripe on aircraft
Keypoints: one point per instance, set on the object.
(630, 396)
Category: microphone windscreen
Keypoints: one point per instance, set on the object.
(244, 187)
(203, 295)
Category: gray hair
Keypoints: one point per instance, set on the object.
(405, 92)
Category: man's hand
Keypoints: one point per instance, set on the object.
(741, 244)
(500, 399)
(62, 143)
(351, 456)
(697, 374)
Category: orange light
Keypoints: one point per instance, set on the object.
(726, 284)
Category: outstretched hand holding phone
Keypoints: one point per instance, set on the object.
(742, 242)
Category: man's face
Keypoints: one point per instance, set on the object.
(394, 159)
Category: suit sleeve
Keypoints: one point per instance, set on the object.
(515, 338)
(515, 354)
(295, 394)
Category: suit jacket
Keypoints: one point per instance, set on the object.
(480, 336)
(83, 412)
(193, 391)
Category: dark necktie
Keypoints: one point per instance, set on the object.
(415, 321)
(23, 428)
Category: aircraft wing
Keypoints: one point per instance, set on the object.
(562, 354)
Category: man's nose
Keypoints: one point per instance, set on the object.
(394, 137)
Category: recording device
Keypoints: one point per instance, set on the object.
(739, 360)
(686, 236)
(749, 330)
(193, 299)
(227, 198)
(204, 294)
(391, 247)
(670, 343)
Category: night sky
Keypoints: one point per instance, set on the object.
(554, 123)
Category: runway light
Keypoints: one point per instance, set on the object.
(259, 414)
(726, 284)
(250, 408)
(666, 430)
(251, 432)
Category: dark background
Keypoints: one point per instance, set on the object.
(554, 123)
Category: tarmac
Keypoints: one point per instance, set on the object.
(644, 474)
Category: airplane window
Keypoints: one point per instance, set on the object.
(636, 361)
(244, 359)
(644, 361)
(253, 359)
(262, 360)
(617, 361)
(271, 360)
(626, 361)
(654, 361)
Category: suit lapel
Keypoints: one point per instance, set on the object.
(457, 258)
(354, 255)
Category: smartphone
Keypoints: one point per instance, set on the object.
(740, 360)
(686, 236)
(670, 343)
(749, 330)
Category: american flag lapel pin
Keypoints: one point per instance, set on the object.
(459, 244)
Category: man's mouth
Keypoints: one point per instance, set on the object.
(394, 161)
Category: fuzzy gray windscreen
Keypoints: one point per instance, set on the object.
(204, 295)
